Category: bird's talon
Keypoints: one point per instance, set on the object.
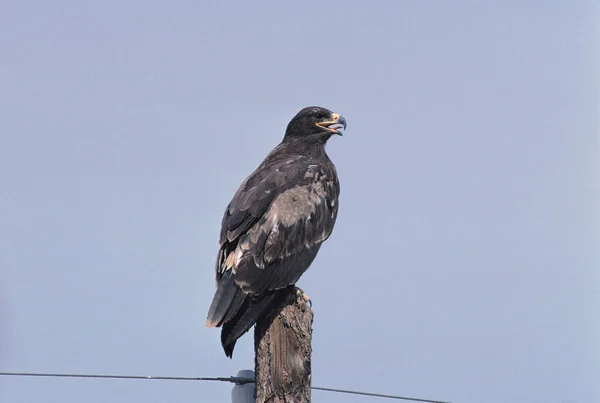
(304, 296)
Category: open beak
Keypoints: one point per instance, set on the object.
(336, 125)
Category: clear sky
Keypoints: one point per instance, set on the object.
(465, 261)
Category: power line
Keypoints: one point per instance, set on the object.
(354, 392)
(231, 379)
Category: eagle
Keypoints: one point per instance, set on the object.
(275, 224)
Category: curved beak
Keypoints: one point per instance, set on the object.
(335, 125)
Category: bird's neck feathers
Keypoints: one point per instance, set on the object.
(307, 140)
(312, 144)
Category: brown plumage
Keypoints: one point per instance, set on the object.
(275, 224)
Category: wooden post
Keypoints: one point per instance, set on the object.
(282, 348)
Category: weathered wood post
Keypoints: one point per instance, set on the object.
(282, 348)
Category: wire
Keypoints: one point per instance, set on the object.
(233, 379)
(354, 392)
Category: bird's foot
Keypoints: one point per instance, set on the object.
(302, 294)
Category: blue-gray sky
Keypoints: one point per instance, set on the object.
(464, 264)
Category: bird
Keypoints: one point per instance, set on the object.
(275, 224)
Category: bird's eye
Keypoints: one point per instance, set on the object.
(319, 115)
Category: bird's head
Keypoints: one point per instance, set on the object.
(315, 121)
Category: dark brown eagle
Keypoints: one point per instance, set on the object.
(275, 224)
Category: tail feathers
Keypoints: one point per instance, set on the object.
(235, 311)
(238, 300)
(226, 294)
(249, 312)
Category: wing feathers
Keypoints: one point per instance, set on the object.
(271, 232)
